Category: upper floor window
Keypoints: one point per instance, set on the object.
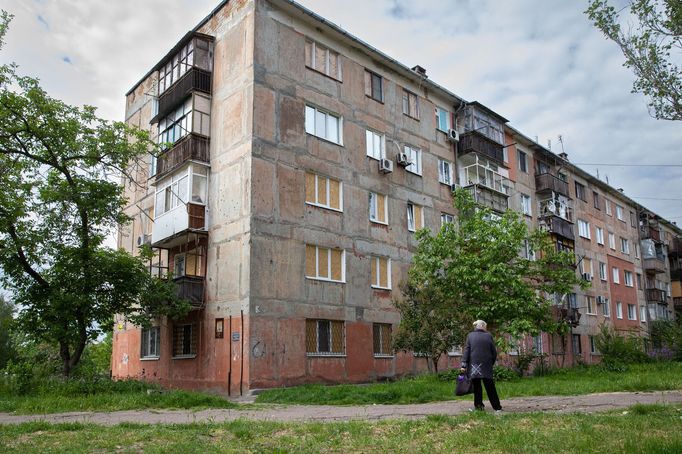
(602, 271)
(325, 263)
(633, 220)
(616, 275)
(445, 173)
(526, 205)
(619, 213)
(446, 218)
(624, 246)
(607, 206)
(523, 161)
(378, 208)
(414, 156)
(197, 52)
(627, 276)
(415, 217)
(381, 272)
(322, 59)
(376, 144)
(619, 309)
(442, 119)
(323, 124)
(410, 104)
(632, 312)
(193, 116)
(612, 241)
(600, 235)
(595, 199)
(580, 191)
(477, 118)
(584, 229)
(374, 86)
(323, 191)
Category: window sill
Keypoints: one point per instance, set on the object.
(376, 287)
(326, 355)
(324, 206)
(150, 358)
(382, 356)
(410, 116)
(324, 74)
(380, 101)
(446, 184)
(378, 222)
(413, 173)
(192, 356)
(324, 139)
(594, 314)
(324, 280)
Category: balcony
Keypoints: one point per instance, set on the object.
(171, 227)
(558, 226)
(192, 147)
(488, 197)
(195, 79)
(476, 142)
(550, 183)
(654, 265)
(676, 274)
(191, 288)
(654, 295)
(677, 301)
(675, 247)
(647, 231)
(570, 315)
(558, 208)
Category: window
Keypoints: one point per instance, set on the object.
(526, 205)
(323, 192)
(323, 124)
(619, 213)
(595, 199)
(593, 346)
(442, 119)
(378, 208)
(627, 277)
(584, 229)
(410, 104)
(415, 217)
(523, 161)
(171, 193)
(589, 300)
(446, 218)
(537, 344)
(633, 220)
(152, 166)
(612, 241)
(632, 312)
(184, 340)
(602, 271)
(376, 144)
(527, 251)
(580, 191)
(382, 339)
(642, 314)
(445, 174)
(619, 310)
(322, 59)
(151, 341)
(600, 235)
(576, 344)
(374, 86)
(639, 281)
(325, 337)
(616, 275)
(572, 300)
(636, 250)
(607, 205)
(381, 272)
(194, 54)
(193, 116)
(414, 156)
(606, 307)
(624, 246)
(325, 263)
(586, 266)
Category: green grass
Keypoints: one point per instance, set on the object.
(429, 388)
(103, 395)
(651, 429)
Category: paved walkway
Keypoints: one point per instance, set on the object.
(556, 404)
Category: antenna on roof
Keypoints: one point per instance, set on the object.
(549, 144)
(607, 179)
(561, 141)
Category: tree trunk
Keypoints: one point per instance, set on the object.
(65, 355)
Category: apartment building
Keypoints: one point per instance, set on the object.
(299, 162)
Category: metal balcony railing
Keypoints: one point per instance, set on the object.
(476, 142)
(655, 295)
(190, 148)
(549, 182)
(195, 79)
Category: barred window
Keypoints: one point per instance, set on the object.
(382, 339)
(325, 337)
(184, 340)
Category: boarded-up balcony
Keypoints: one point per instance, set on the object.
(192, 147)
(488, 197)
(558, 226)
(191, 288)
(550, 183)
(648, 231)
(654, 265)
(476, 142)
(195, 79)
(654, 295)
(171, 227)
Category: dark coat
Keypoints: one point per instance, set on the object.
(479, 354)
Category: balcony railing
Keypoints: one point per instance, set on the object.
(488, 197)
(195, 79)
(675, 247)
(655, 265)
(170, 227)
(475, 142)
(190, 148)
(549, 182)
(559, 226)
(553, 207)
(655, 295)
(650, 232)
(485, 176)
(190, 288)
(570, 315)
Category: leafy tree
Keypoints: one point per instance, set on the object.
(6, 325)
(472, 269)
(60, 172)
(652, 48)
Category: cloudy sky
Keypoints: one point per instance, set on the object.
(539, 63)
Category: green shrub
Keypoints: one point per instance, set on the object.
(501, 373)
(618, 351)
(666, 340)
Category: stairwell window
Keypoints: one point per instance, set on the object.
(381, 272)
(323, 192)
(184, 340)
(324, 125)
(526, 207)
(445, 173)
(619, 213)
(523, 161)
(382, 340)
(414, 155)
(410, 104)
(612, 241)
(325, 338)
(624, 246)
(619, 310)
(374, 86)
(378, 208)
(615, 273)
(607, 206)
(415, 217)
(151, 342)
(325, 264)
(584, 229)
(602, 271)
(442, 119)
(322, 59)
(376, 144)
(606, 307)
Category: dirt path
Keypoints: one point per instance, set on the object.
(557, 404)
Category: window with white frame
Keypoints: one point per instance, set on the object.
(378, 208)
(381, 272)
(526, 206)
(324, 125)
(632, 312)
(445, 172)
(446, 218)
(442, 119)
(589, 301)
(323, 191)
(325, 264)
(410, 104)
(624, 246)
(642, 314)
(193, 116)
(602, 271)
(415, 217)
(382, 339)
(376, 144)
(537, 344)
(586, 266)
(612, 241)
(615, 273)
(600, 235)
(593, 346)
(325, 337)
(414, 157)
(584, 229)
(605, 307)
(627, 277)
(619, 213)
(374, 86)
(607, 205)
(151, 342)
(619, 310)
(188, 185)
(322, 59)
(527, 250)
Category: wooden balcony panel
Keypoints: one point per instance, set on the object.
(197, 216)
(549, 182)
(475, 142)
(650, 232)
(653, 265)
(654, 295)
(191, 288)
(559, 226)
(191, 147)
(193, 80)
(677, 301)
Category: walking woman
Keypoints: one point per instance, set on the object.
(478, 359)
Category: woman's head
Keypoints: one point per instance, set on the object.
(480, 324)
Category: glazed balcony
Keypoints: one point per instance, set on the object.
(191, 288)
(558, 208)
(170, 228)
(488, 197)
(558, 226)
(654, 295)
(194, 80)
(192, 147)
(653, 265)
(477, 142)
(547, 182)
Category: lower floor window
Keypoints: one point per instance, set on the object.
(185, 340)
(577, 347)
(382, 339)
(150, 342)
(593, 346)
(325, 337)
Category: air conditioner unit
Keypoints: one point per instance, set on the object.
(385, 166)
(587, 277)
(453, 135)
(402, 159)
(144, 239)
